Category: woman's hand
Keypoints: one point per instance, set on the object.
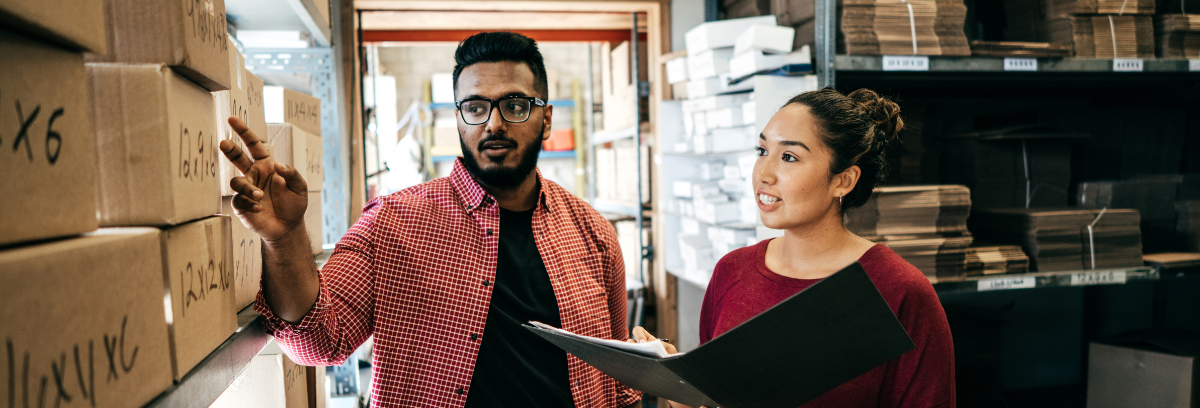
(640, 335)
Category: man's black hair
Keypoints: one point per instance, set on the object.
(500, 46)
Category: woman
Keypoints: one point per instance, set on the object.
(823, 153)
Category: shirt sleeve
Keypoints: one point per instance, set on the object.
(618, 308)
(340, 320)
(924, 376)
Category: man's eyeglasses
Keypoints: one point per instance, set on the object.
(514, 109)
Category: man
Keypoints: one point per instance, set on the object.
(444, 274)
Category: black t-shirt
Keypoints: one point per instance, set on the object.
(516, 368)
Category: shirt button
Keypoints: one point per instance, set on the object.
(474, 336)
(459, 391)
(486, 282)
(489, 231)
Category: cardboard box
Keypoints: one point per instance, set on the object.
(156, 146)
(247, 258)
(270, 381)
(313, 218)
(720, 34)
(47, 143)
(765, 38)
(198, 271)
(299, 149)
(189, 36)
(287, 106)
(75, 24)
(244, 99)
(1144, 369)
(92, 305)
(771, 92)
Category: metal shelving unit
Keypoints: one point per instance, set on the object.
(1034, 280)
(636, 211)
(273, 15)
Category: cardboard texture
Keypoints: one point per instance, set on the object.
(198, 259)
(316, 387)
(189, 36)
(75, 24)
(299, 149)
(1144, 369)
(244, 99)
(312, 222)
(773, 345)
(270, 381)
(48, 146)
(247, 258)
(88, 310)
(156, 146)
(287, 106)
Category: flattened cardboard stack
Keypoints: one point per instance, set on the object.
(926, 225)
(1123, 28)
(1178, 35)
(1058, 239)
(1011, 167)
(993, 260)
(895, 27)
(1019, 49)
(1153, 197)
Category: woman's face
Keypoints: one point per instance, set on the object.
(791, 176)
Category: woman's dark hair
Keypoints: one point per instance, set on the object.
(856, 128)
(500, 46)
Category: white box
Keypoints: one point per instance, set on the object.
(753, 62)
(749, 114)
(748, 209)
(733, 139)
(705, 190)
(711, 171)
(699, 123)
(771, 92)
(677, 70)
(708, 63)
(746, 163)
(740, 86)
(731, 171)
(766, 38)
(718, 34)
(442, 84)
(717, 213)
(691, 227)
(714, 102)
(735, 186)
(682, 188)
(724, 118)
(699, 88)
(764, 233)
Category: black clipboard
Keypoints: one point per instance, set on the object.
(816, 340)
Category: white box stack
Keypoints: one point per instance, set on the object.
(708, 139)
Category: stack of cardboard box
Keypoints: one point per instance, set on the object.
(1093, 28)
(1178, 35)
(156, 150)
(294, 131)
(916, 27)
(926, 225)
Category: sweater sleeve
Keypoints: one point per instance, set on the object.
(924, 376)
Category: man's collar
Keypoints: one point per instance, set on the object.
(475, 197)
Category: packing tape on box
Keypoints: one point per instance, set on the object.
(1091, 236)
(912, 24)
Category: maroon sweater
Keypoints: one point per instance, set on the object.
(742, 287)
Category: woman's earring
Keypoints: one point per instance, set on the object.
(839, 200)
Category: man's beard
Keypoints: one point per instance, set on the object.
(502, 177)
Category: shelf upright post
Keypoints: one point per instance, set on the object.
(826, 42)
(639, 299)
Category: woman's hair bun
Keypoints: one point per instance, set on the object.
(880, 111)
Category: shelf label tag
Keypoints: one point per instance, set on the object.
(1022, 282)
(1127, 65)
(1020, 64)
(1097, 278)
(905, 63)
(1194, 65)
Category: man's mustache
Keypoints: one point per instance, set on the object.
(502, 138)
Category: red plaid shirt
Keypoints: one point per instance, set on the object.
(415, 271)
